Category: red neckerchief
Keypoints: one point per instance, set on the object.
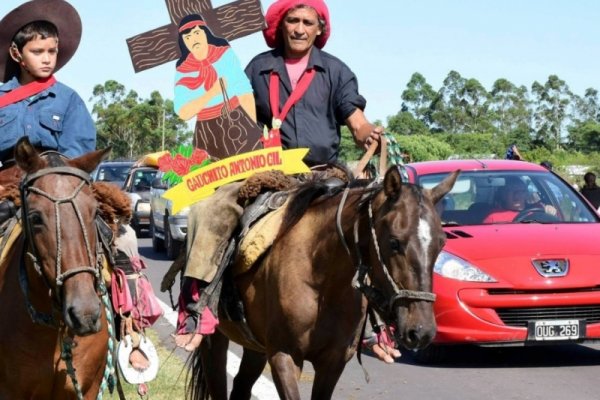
(207, 75)
(272, 137)
(26, 91)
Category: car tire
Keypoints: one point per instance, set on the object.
(157, 243)
(172, 246)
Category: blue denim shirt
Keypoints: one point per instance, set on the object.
(55, 118)
(314, 122)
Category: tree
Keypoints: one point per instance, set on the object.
(473, 145)
(474, 100)
(423, 148)
(461, 105)
(586, 108)
(447, 114)
(404, 123)
(509, 107)
(585, 136)
(417, 99)
(552, 101)
(134, 126)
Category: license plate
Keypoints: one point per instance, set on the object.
(563, 329)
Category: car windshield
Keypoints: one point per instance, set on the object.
(493, 197)
(113, 173)
(142, 179)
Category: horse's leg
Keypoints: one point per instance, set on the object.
(285, 372)
(214, 361)
(252, 365)
(327, 374)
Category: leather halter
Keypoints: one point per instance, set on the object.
(27, 187)
(362, 280)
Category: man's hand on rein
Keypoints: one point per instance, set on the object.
(374, 136)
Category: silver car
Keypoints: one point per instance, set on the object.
(112, 171)
(137, 186)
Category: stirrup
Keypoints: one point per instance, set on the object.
(131, 374)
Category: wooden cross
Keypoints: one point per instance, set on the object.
(230, 21)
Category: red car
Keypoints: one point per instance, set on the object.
(531, 279)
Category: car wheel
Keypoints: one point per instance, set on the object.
(431, 354)
(173, 246)
(157, 243)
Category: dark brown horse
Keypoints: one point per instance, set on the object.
(51, 286)
(337, 253)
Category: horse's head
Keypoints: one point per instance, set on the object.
(407, 237)
(59, 211)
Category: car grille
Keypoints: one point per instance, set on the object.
(520, 316)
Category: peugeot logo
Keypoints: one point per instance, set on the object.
(551, 268)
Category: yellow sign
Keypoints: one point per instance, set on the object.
(203, 182)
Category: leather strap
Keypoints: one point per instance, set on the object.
(383, 155)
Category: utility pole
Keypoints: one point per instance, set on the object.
(163, 128)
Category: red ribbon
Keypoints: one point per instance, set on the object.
(26, 91)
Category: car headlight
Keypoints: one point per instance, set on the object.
(142, 207)
(450, 266)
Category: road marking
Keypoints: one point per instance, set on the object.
(264, 388)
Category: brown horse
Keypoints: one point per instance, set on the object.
(337, 253)
(54, 336)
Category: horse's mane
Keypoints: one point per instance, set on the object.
(316, 192)
(114, 205)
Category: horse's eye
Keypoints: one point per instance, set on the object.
(35, 218)
(396, 246)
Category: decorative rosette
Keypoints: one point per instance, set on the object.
(181, 162)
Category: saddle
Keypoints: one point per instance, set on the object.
(260, 224)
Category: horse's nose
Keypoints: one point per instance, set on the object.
(420, 336)
(84, 320)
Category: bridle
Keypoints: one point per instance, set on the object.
(362, 279)
(31, 251)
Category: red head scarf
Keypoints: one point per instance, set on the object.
(277, 11)
(207, 75)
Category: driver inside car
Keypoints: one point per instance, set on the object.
(512, 201)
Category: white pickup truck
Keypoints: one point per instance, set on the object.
(167, 230)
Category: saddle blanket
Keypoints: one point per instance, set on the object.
(7, 241)
(258, 240)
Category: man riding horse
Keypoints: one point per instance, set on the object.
(303, 96)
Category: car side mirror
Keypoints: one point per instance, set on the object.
(158, 183)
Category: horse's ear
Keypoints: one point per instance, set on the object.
(392, 183)
(26, 156)
(442, 188)
(89, 161)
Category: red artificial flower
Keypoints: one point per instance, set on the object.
(198, 156)
(165, 162)
(181, 165)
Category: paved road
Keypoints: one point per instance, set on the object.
(565, 372)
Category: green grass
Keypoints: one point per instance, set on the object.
(169, 383)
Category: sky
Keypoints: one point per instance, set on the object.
(383, 41)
